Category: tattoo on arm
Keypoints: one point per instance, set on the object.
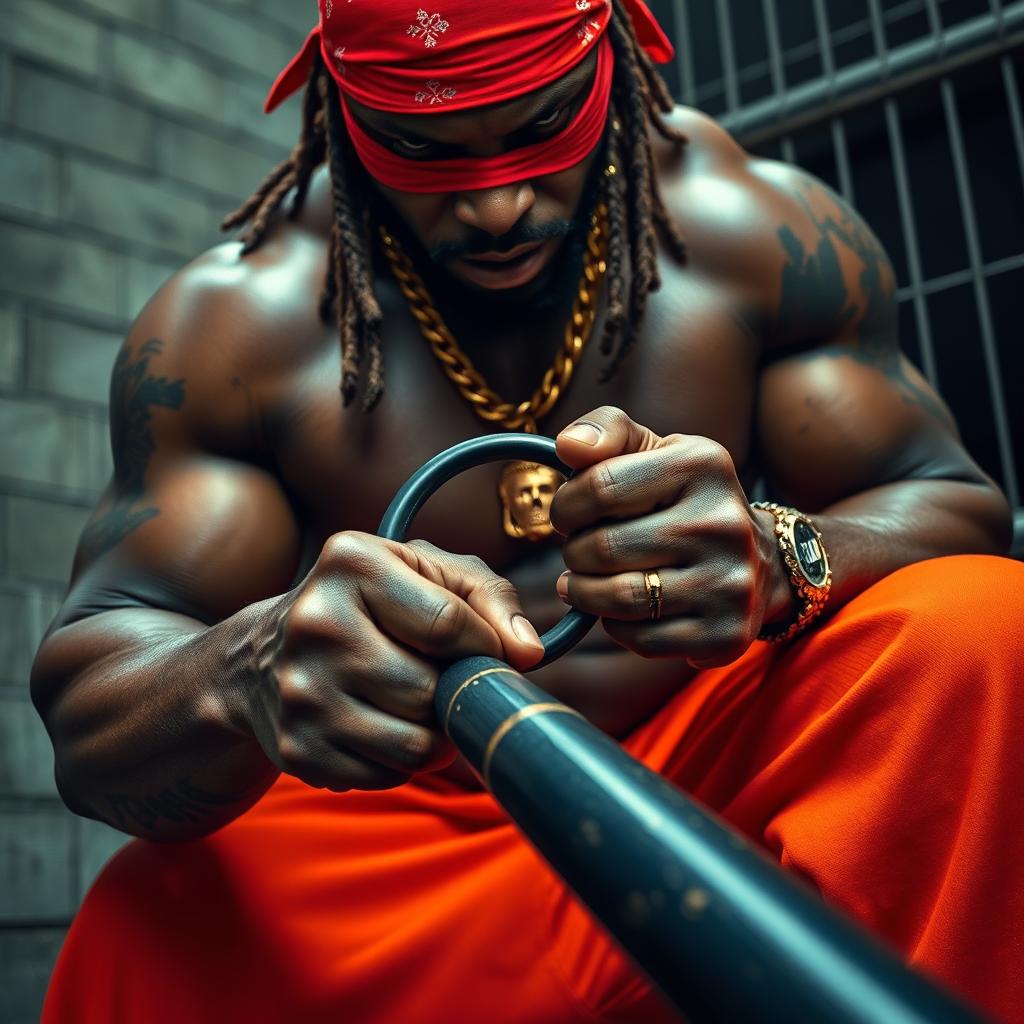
(134, 393)
(813, 289)
(182, 802)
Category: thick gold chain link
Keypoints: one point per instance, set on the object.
(459, 368)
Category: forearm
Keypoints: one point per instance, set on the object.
(137, 704)
(874, 533)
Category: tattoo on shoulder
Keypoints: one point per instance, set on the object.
(134, 393)
(182, 802)
(813, 287)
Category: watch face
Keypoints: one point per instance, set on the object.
(809, 554)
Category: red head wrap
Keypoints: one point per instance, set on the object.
(396, 57)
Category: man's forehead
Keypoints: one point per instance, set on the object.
(494, 118)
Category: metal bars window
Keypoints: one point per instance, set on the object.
(912, 110)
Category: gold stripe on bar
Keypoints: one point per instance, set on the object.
(511, 722)
(468, 682)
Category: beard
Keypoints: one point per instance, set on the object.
(550, 292)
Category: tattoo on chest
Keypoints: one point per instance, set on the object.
(182, 802)
(134, 393)
(814, 290)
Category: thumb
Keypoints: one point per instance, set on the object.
(603, 434)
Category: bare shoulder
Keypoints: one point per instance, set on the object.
(775, 232)
(230, 326)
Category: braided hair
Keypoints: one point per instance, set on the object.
(637, 218)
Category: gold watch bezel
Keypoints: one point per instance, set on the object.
(811, 597)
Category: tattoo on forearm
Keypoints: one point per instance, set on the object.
(134, 393)
(182, 802)
(813, 289)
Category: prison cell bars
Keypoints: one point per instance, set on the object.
(891, 71)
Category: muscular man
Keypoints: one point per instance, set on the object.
(242, 664)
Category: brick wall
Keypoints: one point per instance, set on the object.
(127, 128)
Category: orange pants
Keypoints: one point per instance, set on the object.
(879, 757)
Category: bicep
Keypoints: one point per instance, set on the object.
(842, 410)
(204, 538)
(835, 422)
(182, 526)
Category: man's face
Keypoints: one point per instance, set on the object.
(498, 240)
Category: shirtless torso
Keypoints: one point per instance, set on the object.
(236, 461)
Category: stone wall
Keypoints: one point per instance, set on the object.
(127, 128)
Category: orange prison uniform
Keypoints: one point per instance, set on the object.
(880, 757)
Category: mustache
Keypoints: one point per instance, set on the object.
(480, 242)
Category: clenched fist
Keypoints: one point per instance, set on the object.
(673, 505)
(340, 675)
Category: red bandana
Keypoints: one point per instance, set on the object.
(398, 58)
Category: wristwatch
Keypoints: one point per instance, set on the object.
(810, 576)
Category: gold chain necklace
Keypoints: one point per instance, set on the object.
(526, 488)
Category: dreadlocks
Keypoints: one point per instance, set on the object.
(637, 218)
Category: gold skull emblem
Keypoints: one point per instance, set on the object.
(526, 491)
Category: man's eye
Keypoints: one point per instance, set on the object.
(549, 119)
(414, 148)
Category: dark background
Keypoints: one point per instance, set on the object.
(127, 127)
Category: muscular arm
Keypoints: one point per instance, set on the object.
(132, 680)
(848, 429)
(185, 668)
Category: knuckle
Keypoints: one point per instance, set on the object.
(307, 615)
(418, 544)
(292, 755)
(739, 581)
(447, 621)
(734, 520)
(360, 663)
(603, 487)
(294, 688)
(500, 589)
(605, 547)
(631, 594)
(349, 551)
(475, 566)
(712, 456)
(417, 690)
(415, 748)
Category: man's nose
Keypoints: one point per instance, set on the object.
(495, 210)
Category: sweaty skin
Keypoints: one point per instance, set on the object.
(230, 616)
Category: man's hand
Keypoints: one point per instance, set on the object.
(340, 686)
(640, 502)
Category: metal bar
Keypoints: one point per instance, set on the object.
(878, 33)
(684, 52)
(775, 62)
(842, 160)
(988, 337)
(828, 66)
(714, 922)
(778, 71)
(732, 92)
(903, 198)
(934, 21)
(959, 277)
(750, 72)
(828, 60)
(981, 39)
(1013, 102)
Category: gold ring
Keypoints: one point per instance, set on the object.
(652, 581)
